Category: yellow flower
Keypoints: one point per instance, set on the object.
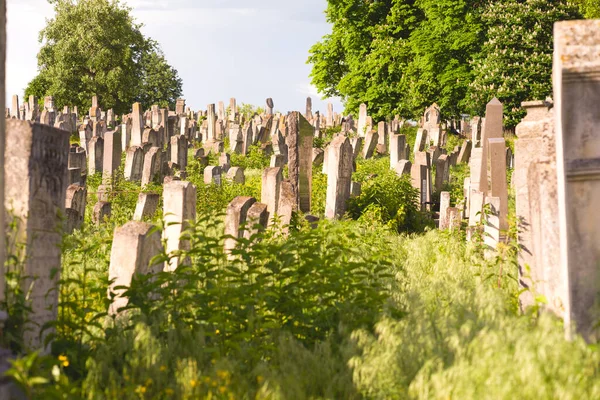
(260, 379)
(63, 360)
(223, 374)
(194, 383)
(148, 382)
(140, 389)
(222, 389)
(169, 392)
(163, 368)
(217, 331)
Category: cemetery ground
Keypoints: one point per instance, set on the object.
(377, 305)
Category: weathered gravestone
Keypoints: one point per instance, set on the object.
(134, 164)
(397, 149)
(497, 178)
(236, 175)
(152, 165)
(339, 177)
(299, 140)
(35, 173)
(146, 206)
(576, 98)
(444, 206)
(134, 246)
(112, 154)
(235, 218)
(492, 130)
(102, 212)
(536, 200)
(179, 207)
(271, 187)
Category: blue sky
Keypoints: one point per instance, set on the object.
(247, 49)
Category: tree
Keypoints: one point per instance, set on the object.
(589, 8)
(515, 63)
(161, 84)
(94, 47)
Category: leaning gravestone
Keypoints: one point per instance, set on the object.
(36, 182)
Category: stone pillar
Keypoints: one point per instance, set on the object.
(271, 186)
(134, 246)
(339, 177)
(95, 155)
(232, 109)
(491, 130)
(299, 140)
(397, 148)
(497, 186)
(179, 207)
(237, 212)
(35, 168)
(137, 125)
(475, 165)
(576, 98)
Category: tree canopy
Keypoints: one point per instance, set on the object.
(400, 56)
(95, 47)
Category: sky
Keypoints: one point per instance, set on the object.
(247, 49)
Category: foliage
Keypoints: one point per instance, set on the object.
(94, 47)
(400, 56)
(515, 63)
(386, 197)
(589, 8)
(255, 159)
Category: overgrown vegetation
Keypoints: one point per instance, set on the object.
(349, 309)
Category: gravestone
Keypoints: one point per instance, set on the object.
(270, 190)
(95, 155)
(444, 206)
(318, 156)
(476, 207)
(397, 148)
(465, 152)
(277, 160)
(419, 177)
(257, 219)
(299, 140)
(442, 172)
(102, 212)
(112, 154)
(235, 218)
(146, 206)
(236, 175)
(179, 207)
(179, 151)
(137, 125)
(339, 177)
(420, 141)
(536, 200)
(75, 203)
(492, 130)
(152, 166)
(576, 98)
(403, 167)
(35, 174)
(288, 205)
(212, 175)
(497, 178)
(362, 128)
(491, 226)
(134, 246)
(371, 139)
(134, 164)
